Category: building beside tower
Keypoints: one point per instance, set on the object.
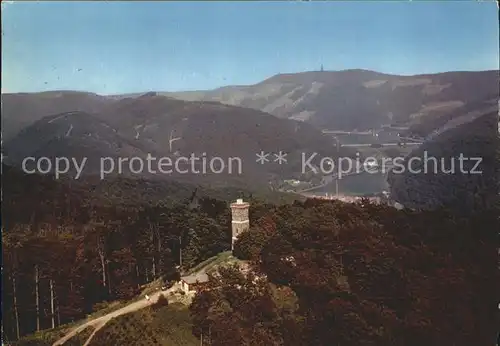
(239, 219)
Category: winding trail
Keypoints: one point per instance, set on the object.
(100, 322)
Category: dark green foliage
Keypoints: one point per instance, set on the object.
(94, 248)
(249, 244)
(326, 273)
(362, 274)
(237, 310)
(466, 187)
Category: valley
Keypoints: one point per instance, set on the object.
(176, 126)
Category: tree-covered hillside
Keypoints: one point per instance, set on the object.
(324, 273)
(434, 175)
(358, 275)
(69, 245)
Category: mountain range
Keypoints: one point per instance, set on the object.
(334, 100)
(162, 127)
(358, 99)
(286, 112)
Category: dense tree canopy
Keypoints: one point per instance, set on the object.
(367, 275)
(64, 252)
(323, 273)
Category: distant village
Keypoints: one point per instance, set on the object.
(381, 198)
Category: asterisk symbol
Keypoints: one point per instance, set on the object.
(280, 157)
(262, 158)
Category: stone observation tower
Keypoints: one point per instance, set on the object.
(239, 219)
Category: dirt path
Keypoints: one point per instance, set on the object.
(100, 322)
(97, 327)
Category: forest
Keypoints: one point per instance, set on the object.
(69, 247)
(324, 272)
(332, 273)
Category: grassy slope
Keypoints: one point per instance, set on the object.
(49, 336)
(207, 265)
(166, 326)
(170, 325)
(80, 338)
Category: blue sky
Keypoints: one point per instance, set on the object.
(120, 47)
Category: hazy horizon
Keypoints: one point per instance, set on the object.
(112, 48)
(222, 86)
